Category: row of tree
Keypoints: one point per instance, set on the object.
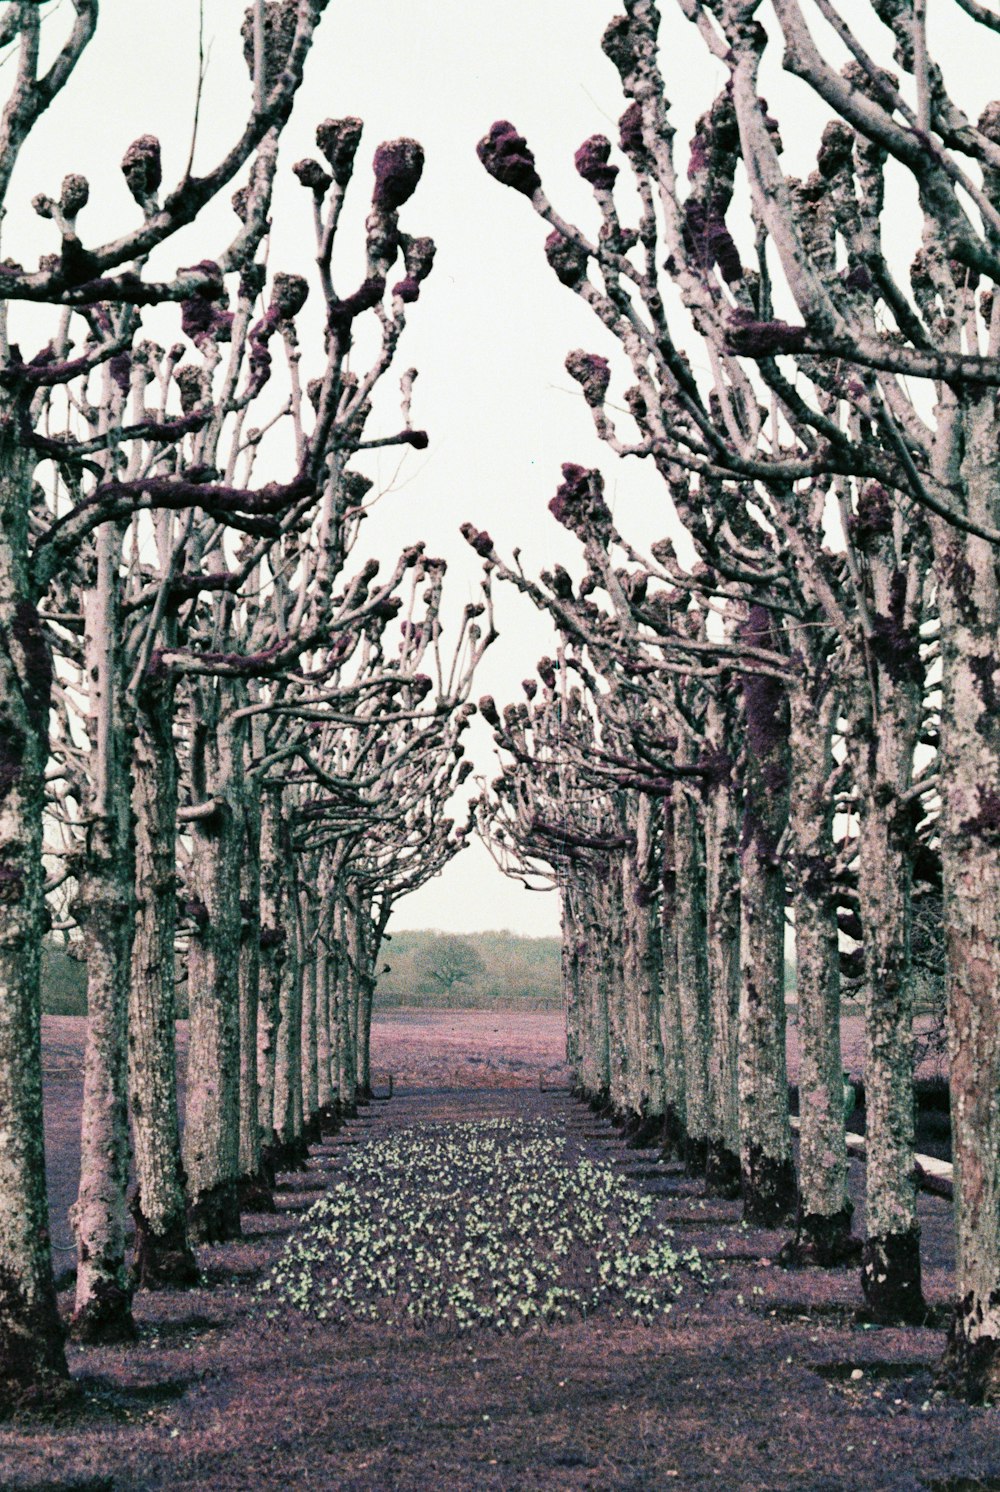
(223, 739)
(801, 717)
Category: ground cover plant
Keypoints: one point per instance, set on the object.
(497, 1223)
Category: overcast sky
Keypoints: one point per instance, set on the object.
(492, 327)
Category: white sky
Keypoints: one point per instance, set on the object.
(492, 326)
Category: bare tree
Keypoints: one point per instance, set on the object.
(726, 459)
(937, 330)
(102, 286)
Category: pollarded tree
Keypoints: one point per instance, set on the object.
(356, 753)
(707, 441)
(561, 798)
(186, 601)
(876, 344)
(103, 286)
(675, 738)
(377, 821)
(532, 828)
(127, 603)
(863, 333)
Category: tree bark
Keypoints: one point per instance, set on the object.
(671, 1028)
(374, 934)
(365, 1036)
(570, 979)
(722, 897)
(254, 1185)
(890, 1268)
(349, 974)
(692, 974)
(337, 958)
(31, 1338)
(768, 1173)
(163, 1254)
(290, 1144)
(104, 908)
(212, 1123)
(643, 972)
(273, 952)
(969, 580)
(373, 931)
(325, 1088)
(103, 1310)
(824, 1223)
(610, 946)
(310, 1007)
(596, 1069)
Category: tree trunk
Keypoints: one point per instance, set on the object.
(643, 971)
(349, 975)
(825, 1209)
(163, 1253)
(290, 1144)
(596, 1069)
(365, 1036)
(337, 957)
(375, 933)
(103, 1311)
(104, 905)
(310, 1006)
(692, 974)
(634, 1098)
(369, 942)
(255, 1189)
(671, 1028)
(722, 916)
(212, 1122)
(969, 577)
(610, 948)
(768, 1173)
(890, 1269)
(31, 1338)
(273, 952)
(570, 981)
(325, 1088)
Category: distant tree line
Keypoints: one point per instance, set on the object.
(473, 971)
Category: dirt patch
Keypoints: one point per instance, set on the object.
(469, 1048)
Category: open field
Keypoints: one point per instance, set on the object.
(763, 1380)
(421, 1048)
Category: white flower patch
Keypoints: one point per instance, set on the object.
(479, 1224)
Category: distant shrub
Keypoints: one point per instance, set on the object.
(448, 962)
(64, 980)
